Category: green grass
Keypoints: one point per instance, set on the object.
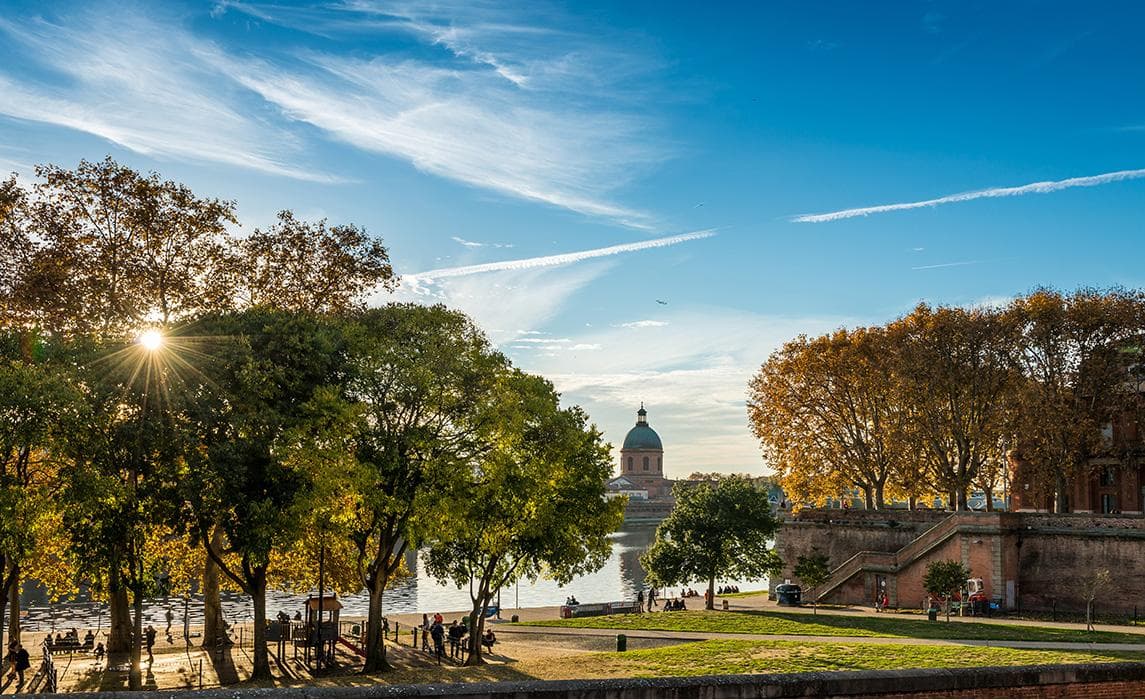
(727, 656)
(769, 622)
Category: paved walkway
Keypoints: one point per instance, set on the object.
(701, 636)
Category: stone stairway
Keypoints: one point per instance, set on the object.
(894, 562)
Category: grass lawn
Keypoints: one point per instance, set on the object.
(729, 656)
(769, 622)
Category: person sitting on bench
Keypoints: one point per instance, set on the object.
(100, 652)
(88, 640)
(488, 640)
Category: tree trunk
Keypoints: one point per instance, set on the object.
(912, 502)
(14, 612)
(710, 603)
(1061, 502)
(119, 631)
(880, 498)
(989, 499)
(476, 629)
(135, 676)
(213, 631)
(1089, 616)
(261, 657)
(375, 644)
(868, 498)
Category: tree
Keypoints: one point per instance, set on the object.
(945, 578)
(825, 412)
(35, 401)
(269, 415)
(311, 266)
(1091, 587)
(535, 503)
(813, 570)
(715, 530)
(421, 376)
(1070, 354)
(122, 453)
(959, 378)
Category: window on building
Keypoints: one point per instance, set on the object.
(1108, 503)
(629, 464)
(659, 462)
(1108, 476)
(645, 464)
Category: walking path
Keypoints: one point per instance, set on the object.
(831, 639)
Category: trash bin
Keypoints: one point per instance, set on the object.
(621, 642)
(932, 614)
(788, 594)
(515, 619)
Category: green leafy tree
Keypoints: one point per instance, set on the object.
(36, 400)
(535, 503)
(944, 578)
(121, 453)
(813, 570)
(717, 529)
(268, 413)
(421, 376)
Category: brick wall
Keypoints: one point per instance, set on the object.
(1033, 561)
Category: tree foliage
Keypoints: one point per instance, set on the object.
(813, 570)
(716, 529)
(944, 578)
(939, 401)
(423, 378)
(533, 504)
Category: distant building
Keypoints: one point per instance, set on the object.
(642, 473)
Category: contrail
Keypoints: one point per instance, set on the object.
(561, 259)
(1032, 188)
(949, 264)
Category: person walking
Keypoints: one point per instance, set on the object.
(640, 601)
(149, 637)
(23, 663)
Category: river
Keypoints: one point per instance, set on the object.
(618, 579)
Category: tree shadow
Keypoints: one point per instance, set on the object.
(223, 662)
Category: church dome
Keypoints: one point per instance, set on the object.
(642, 436)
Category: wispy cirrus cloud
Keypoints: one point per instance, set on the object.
(554, 260)
(134, 81)
(647, 323)
(1032, 188)
(510, 105)
(478, 244)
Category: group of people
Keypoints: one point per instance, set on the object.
(727, 589)
(70, 641)
(434, 628)
(571, 600)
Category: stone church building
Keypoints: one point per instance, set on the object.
(642, 472)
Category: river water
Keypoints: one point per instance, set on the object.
(619, 579)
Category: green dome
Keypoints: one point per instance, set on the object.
(642, 437)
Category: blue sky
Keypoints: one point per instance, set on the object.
(556, 169)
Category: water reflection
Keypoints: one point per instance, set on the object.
(619, 579)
